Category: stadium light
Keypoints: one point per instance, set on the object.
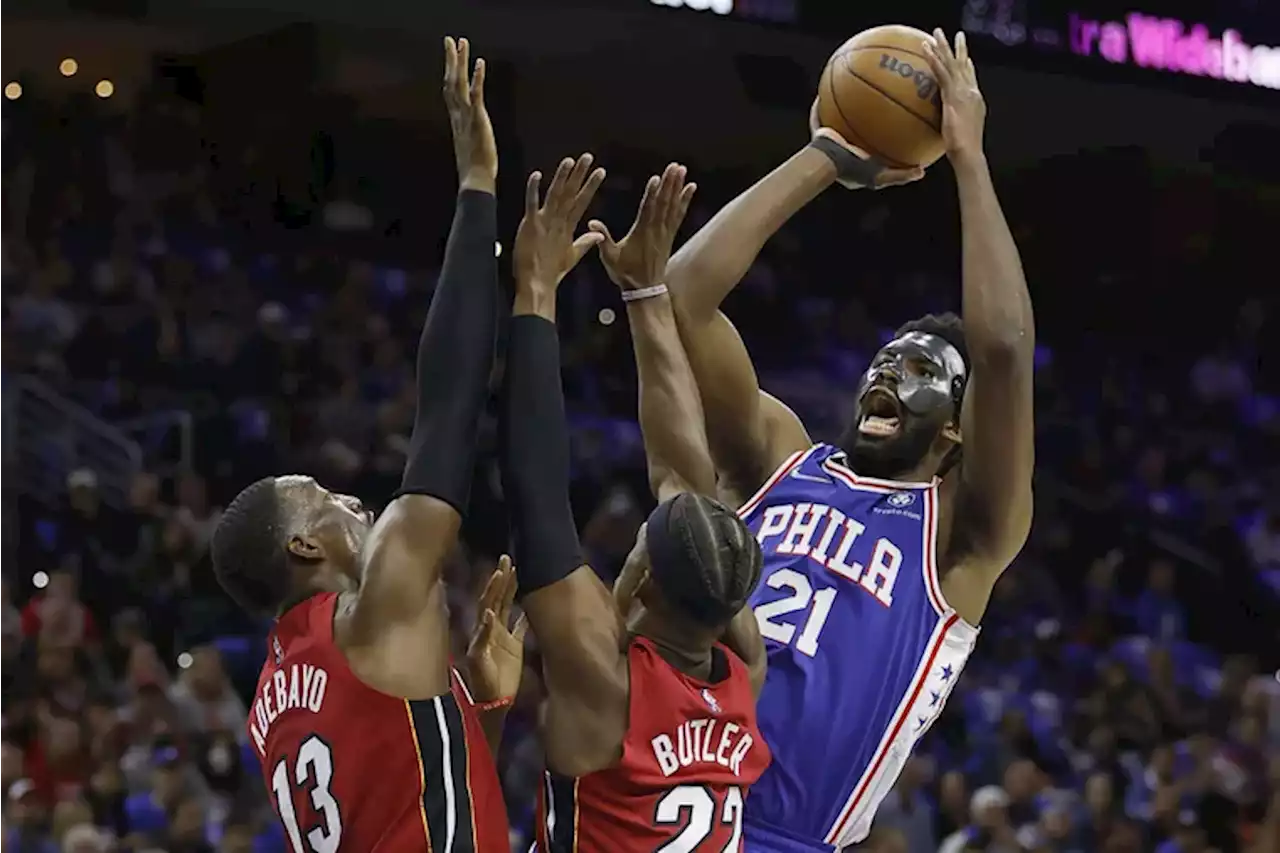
(68, 67)
(13, 90)
(104, 89)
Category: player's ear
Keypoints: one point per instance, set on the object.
(305, 548)
(645, 589)
(951, 432)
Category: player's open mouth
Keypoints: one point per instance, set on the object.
(880, 415)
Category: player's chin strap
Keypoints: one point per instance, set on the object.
(850, 168)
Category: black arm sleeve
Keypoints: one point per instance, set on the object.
(455, 357)
(535, 438)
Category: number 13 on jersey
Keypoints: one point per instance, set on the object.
(802, 597)
(311, 773)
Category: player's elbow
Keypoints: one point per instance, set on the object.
(694, 306)
(1006, 349)
(415, 524)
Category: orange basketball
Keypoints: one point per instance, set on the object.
(878, 93)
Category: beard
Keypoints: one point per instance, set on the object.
(888, 458)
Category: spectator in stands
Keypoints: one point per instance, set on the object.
(1157, 612)
(989, 829)
(56, 616)
(908, 810)
(25, 819)
(203, 696)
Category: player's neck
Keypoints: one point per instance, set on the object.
(692, 662)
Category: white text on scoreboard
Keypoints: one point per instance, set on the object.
(719, 7)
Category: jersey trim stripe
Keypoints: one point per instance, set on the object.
(929, 555)
(422, 774)
(792, 462)
(875, 483)
(441, 737)
(904, 708)
(560, 811)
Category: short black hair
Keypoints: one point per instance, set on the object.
(703, 558)
(946, 325)
(248, 551)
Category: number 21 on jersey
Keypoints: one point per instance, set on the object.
(802, 597)
(310, 773)
(695, 806)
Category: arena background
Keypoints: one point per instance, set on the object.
(214, 263)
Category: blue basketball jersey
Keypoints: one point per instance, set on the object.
(863, 649)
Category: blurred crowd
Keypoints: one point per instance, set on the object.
(186, 286)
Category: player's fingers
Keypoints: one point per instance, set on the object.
(943, 47)
(489, 593)
(508, 594)
(555, 192)
(521, 628)
(477, 84)
(578, 175)
(600, 228)
(896, 177)
(648, 202)
(962, 48)
(460, 77)
(814, 121)
(681, 209)
(585, 244)
(450, 64)
(463, 76)
(940, 71)
(487, 623)
(669, 192)
(532, 189)
(585, 195)
(971, 71)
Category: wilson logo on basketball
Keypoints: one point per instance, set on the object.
(926, 86)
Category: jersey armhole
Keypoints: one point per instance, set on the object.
(791, 463)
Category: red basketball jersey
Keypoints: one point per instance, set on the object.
(351, 768)
(691, 752)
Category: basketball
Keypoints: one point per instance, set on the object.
(878, 92)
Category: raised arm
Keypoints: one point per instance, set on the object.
(398, 632)
(675, 438)
(751, 433)
(997, 421)
(580, 633)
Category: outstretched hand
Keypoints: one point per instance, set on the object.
(640, 258)
(964, 111)
(495, 655)
(545, 248)
(880, 176)
(473, 144)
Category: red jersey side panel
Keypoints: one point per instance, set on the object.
(691, 751)
(351, 768)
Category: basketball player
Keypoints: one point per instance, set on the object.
(368, 738)
(881, 550)
(649, 724)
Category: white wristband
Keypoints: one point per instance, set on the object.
(643, 292)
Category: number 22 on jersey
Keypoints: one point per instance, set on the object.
(802, 596)
(311, 773)
(695, 806)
